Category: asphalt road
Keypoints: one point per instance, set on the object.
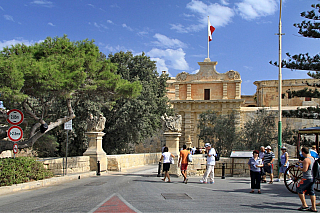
(140, 190)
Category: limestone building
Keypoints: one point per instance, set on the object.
(192, 94)
(267, 93)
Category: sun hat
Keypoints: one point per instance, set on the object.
(284, 147)
(268, 147)
(207, 145)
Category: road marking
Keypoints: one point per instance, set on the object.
(114, 203)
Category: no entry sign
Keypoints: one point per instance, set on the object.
(15, 133)
(15, 117)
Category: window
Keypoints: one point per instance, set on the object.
(307, 98)
(207, 94)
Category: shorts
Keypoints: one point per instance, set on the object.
(268, 169)
(184, 167)
(283, 169)
(166, 167)
(306, 186)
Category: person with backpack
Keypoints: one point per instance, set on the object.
(184, 162)
(306, 184)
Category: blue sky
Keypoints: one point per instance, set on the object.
(171, 32)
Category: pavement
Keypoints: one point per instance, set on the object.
(140, 190)
(45, 182)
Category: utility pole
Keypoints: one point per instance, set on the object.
(280, 92)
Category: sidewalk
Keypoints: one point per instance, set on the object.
(44, 182)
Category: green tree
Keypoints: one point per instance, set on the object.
(258, 131)
(309, 28)
(37, 77)
(131, 121)
(219, 130)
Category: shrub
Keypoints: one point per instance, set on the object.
(21, 170)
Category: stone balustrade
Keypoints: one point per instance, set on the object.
(233, 166)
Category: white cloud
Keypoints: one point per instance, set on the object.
(173, 58)
(13, 42)
(251, 9)
(224, 2)
(115, 49)
(142, 33)
(125, 26)
(165, 42)
(161, 65)
(195, 72)
(110, 22)
(51, 24)
(91, 5)
(219, 16)
(43, 3)
(1, 8)
(99, 26)
(8, 18)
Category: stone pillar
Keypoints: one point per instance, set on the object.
(189, 92)
(177, 91)
(172, 142)
(189, 142)
(95, 151)
(225, 90)
(238, 90)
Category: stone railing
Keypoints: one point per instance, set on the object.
(121, 162)
(77, 164)
(233, 166)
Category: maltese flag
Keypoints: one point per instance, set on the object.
(210, 30)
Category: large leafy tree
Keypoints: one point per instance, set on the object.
(37, 78)
(259, 130)
(309, 28)
(131, 121)
(219, 130)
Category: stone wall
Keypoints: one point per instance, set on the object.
(122, 162)
(75, 164)
(233, 166)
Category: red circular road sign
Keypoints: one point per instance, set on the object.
(15, 133)
(15, 148)
(15, 117)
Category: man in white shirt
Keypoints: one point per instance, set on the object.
(211, 153)
(193, 150)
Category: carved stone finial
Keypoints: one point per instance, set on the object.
(96, 124)
(172, 123)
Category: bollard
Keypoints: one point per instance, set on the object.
(223, 171)
(98, 168)
(159, 170)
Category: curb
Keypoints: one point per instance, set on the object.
(4, 190)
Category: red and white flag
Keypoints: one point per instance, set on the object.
(210, 30)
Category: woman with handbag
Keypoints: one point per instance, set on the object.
(166, 157)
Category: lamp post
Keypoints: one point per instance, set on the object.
(280, 92)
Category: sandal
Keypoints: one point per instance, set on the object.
(271, 182)
(263, 181)
(259, 192)
(303, 208)
(312, 210)
(252, 191)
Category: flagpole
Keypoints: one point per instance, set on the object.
(208, 36)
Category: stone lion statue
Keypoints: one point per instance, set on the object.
(172, 123)
(96, 124)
